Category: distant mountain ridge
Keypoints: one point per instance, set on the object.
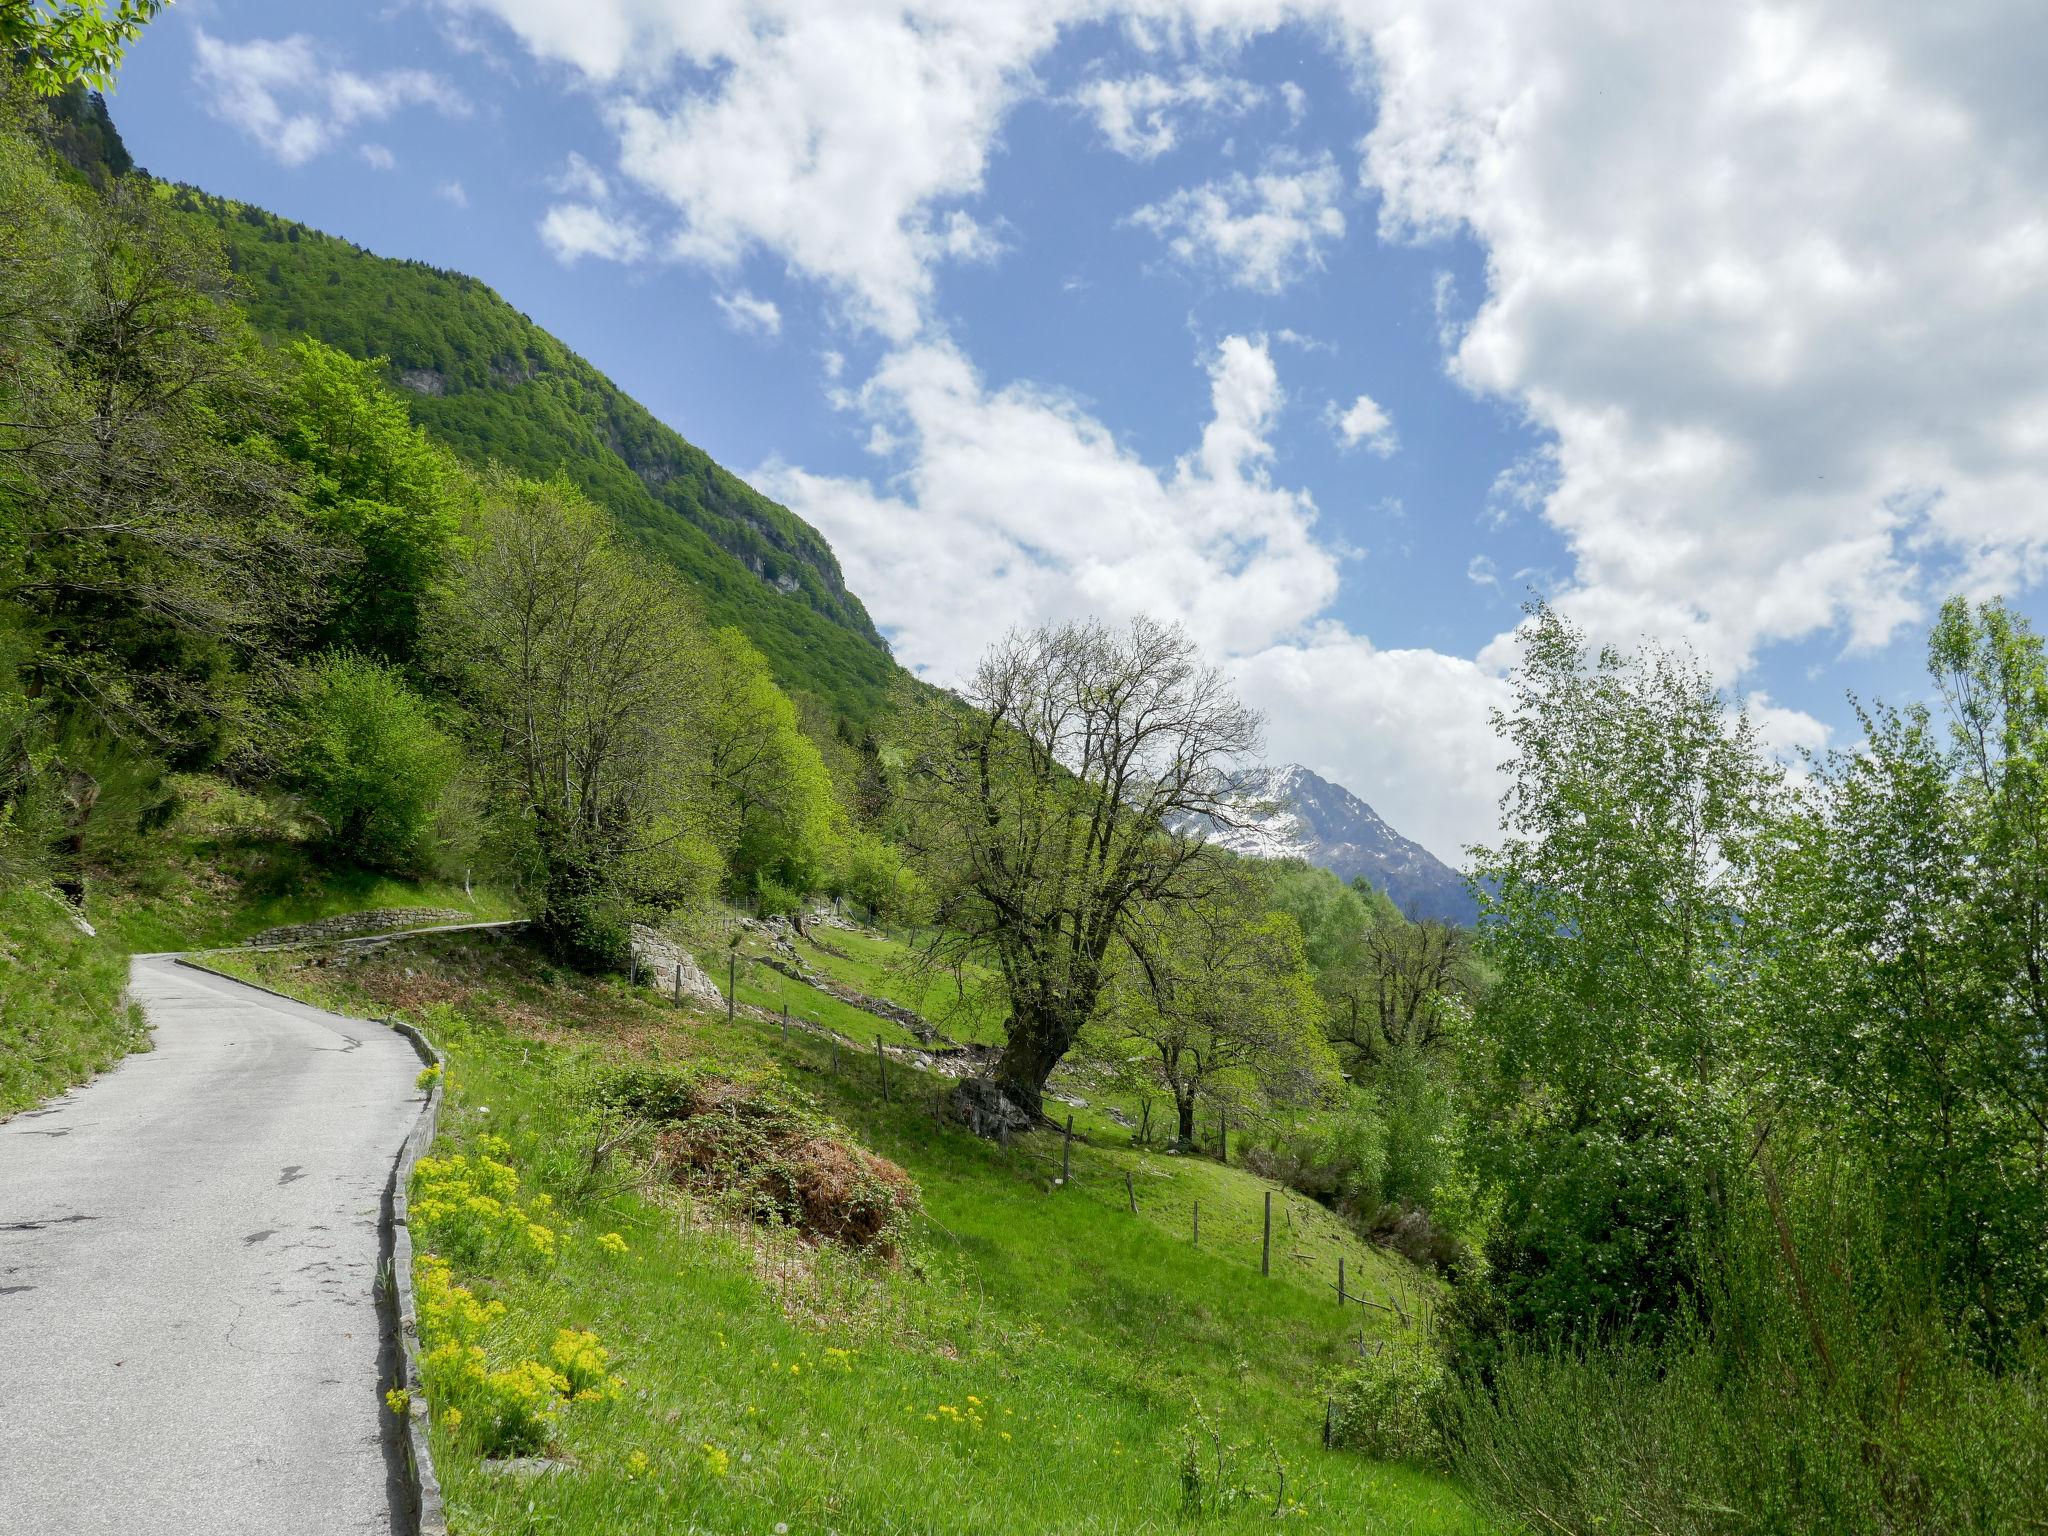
(1289, 812)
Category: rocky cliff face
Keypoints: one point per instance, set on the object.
(1290, 813)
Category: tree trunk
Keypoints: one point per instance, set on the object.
(1186, 1106)
(1033, 1046)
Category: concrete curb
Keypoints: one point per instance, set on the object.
(429, 1517)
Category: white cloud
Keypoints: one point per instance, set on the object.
(1296, 100)
(572, 231)
(579, 178)
(377, 157)
(1481, 572)
(453, 192)
(249, 85)
(1263, 232)
(1786, 732)
(1210, 541)
(1773, 279)
(1406, 729)
(1364, 424)
(750, 316)
(1777, 280)
(1141, 115)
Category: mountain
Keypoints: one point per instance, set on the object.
(1291, 813)
(493, 386)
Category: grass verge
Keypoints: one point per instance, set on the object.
(1038, 1359)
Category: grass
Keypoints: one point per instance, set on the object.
(232, 864)
(62, 1017)
(1094, 1348)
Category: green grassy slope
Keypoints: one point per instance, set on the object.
(61, 1014)
(1041, 1359)
(494, 386)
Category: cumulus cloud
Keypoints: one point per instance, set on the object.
(578, 178)
(1365, 424)
(750, 316)
(377, 157)
(1776, 279)
(283, 95)
(453, 193)
(1262, 232)
(572, 231)
(1210, 540)
(1772, 279)
(1141, 115)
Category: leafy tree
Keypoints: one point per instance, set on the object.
(1610, 1043)
(1052, 809)
(372, 763)
(1906, 1003)
(60, 43)
(151, 548)
(775, 792)
(1218, 992)
(378, 486)
(584, 671)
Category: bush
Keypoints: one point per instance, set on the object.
(371, 763)
(1339, 1159)
(754, 1139)
(1390, 1405)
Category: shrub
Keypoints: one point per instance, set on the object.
(1389, 1405)
(752, 1138)
(371, 763)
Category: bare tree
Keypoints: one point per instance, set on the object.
(1403, 986)
(1055, 805)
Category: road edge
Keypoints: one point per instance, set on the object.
(429, 1514)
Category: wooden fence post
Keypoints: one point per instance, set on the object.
(785, 1021)
(1130, 1192)
(1197, 1242)
(1067, 1152)
(1340, 1282)
(882, 1058)
(1223, 1139)
(679, 981)
(732, 974)
(1266, 1248)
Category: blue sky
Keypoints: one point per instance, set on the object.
(1326, 328)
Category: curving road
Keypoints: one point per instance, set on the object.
(189, 1336)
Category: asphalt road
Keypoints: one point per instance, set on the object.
(189, 1338)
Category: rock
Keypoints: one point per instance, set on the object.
(659, 958)
(986, 1110)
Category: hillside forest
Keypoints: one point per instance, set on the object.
(1721, 1141)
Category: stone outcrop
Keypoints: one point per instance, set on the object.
(658, 961)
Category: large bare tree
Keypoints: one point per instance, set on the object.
(1058, 796)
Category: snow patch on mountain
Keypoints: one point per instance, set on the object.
(1290, 812)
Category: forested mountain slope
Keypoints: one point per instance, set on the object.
(492, 385)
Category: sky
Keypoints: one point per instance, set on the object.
(1334, 330)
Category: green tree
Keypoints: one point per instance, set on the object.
(1906, 999)
(1609, 1047)
(775, 792)
(376, 484)
(1218, 993)
(59, 43)
(371, 762)
(584, 673)
(1059, 798)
